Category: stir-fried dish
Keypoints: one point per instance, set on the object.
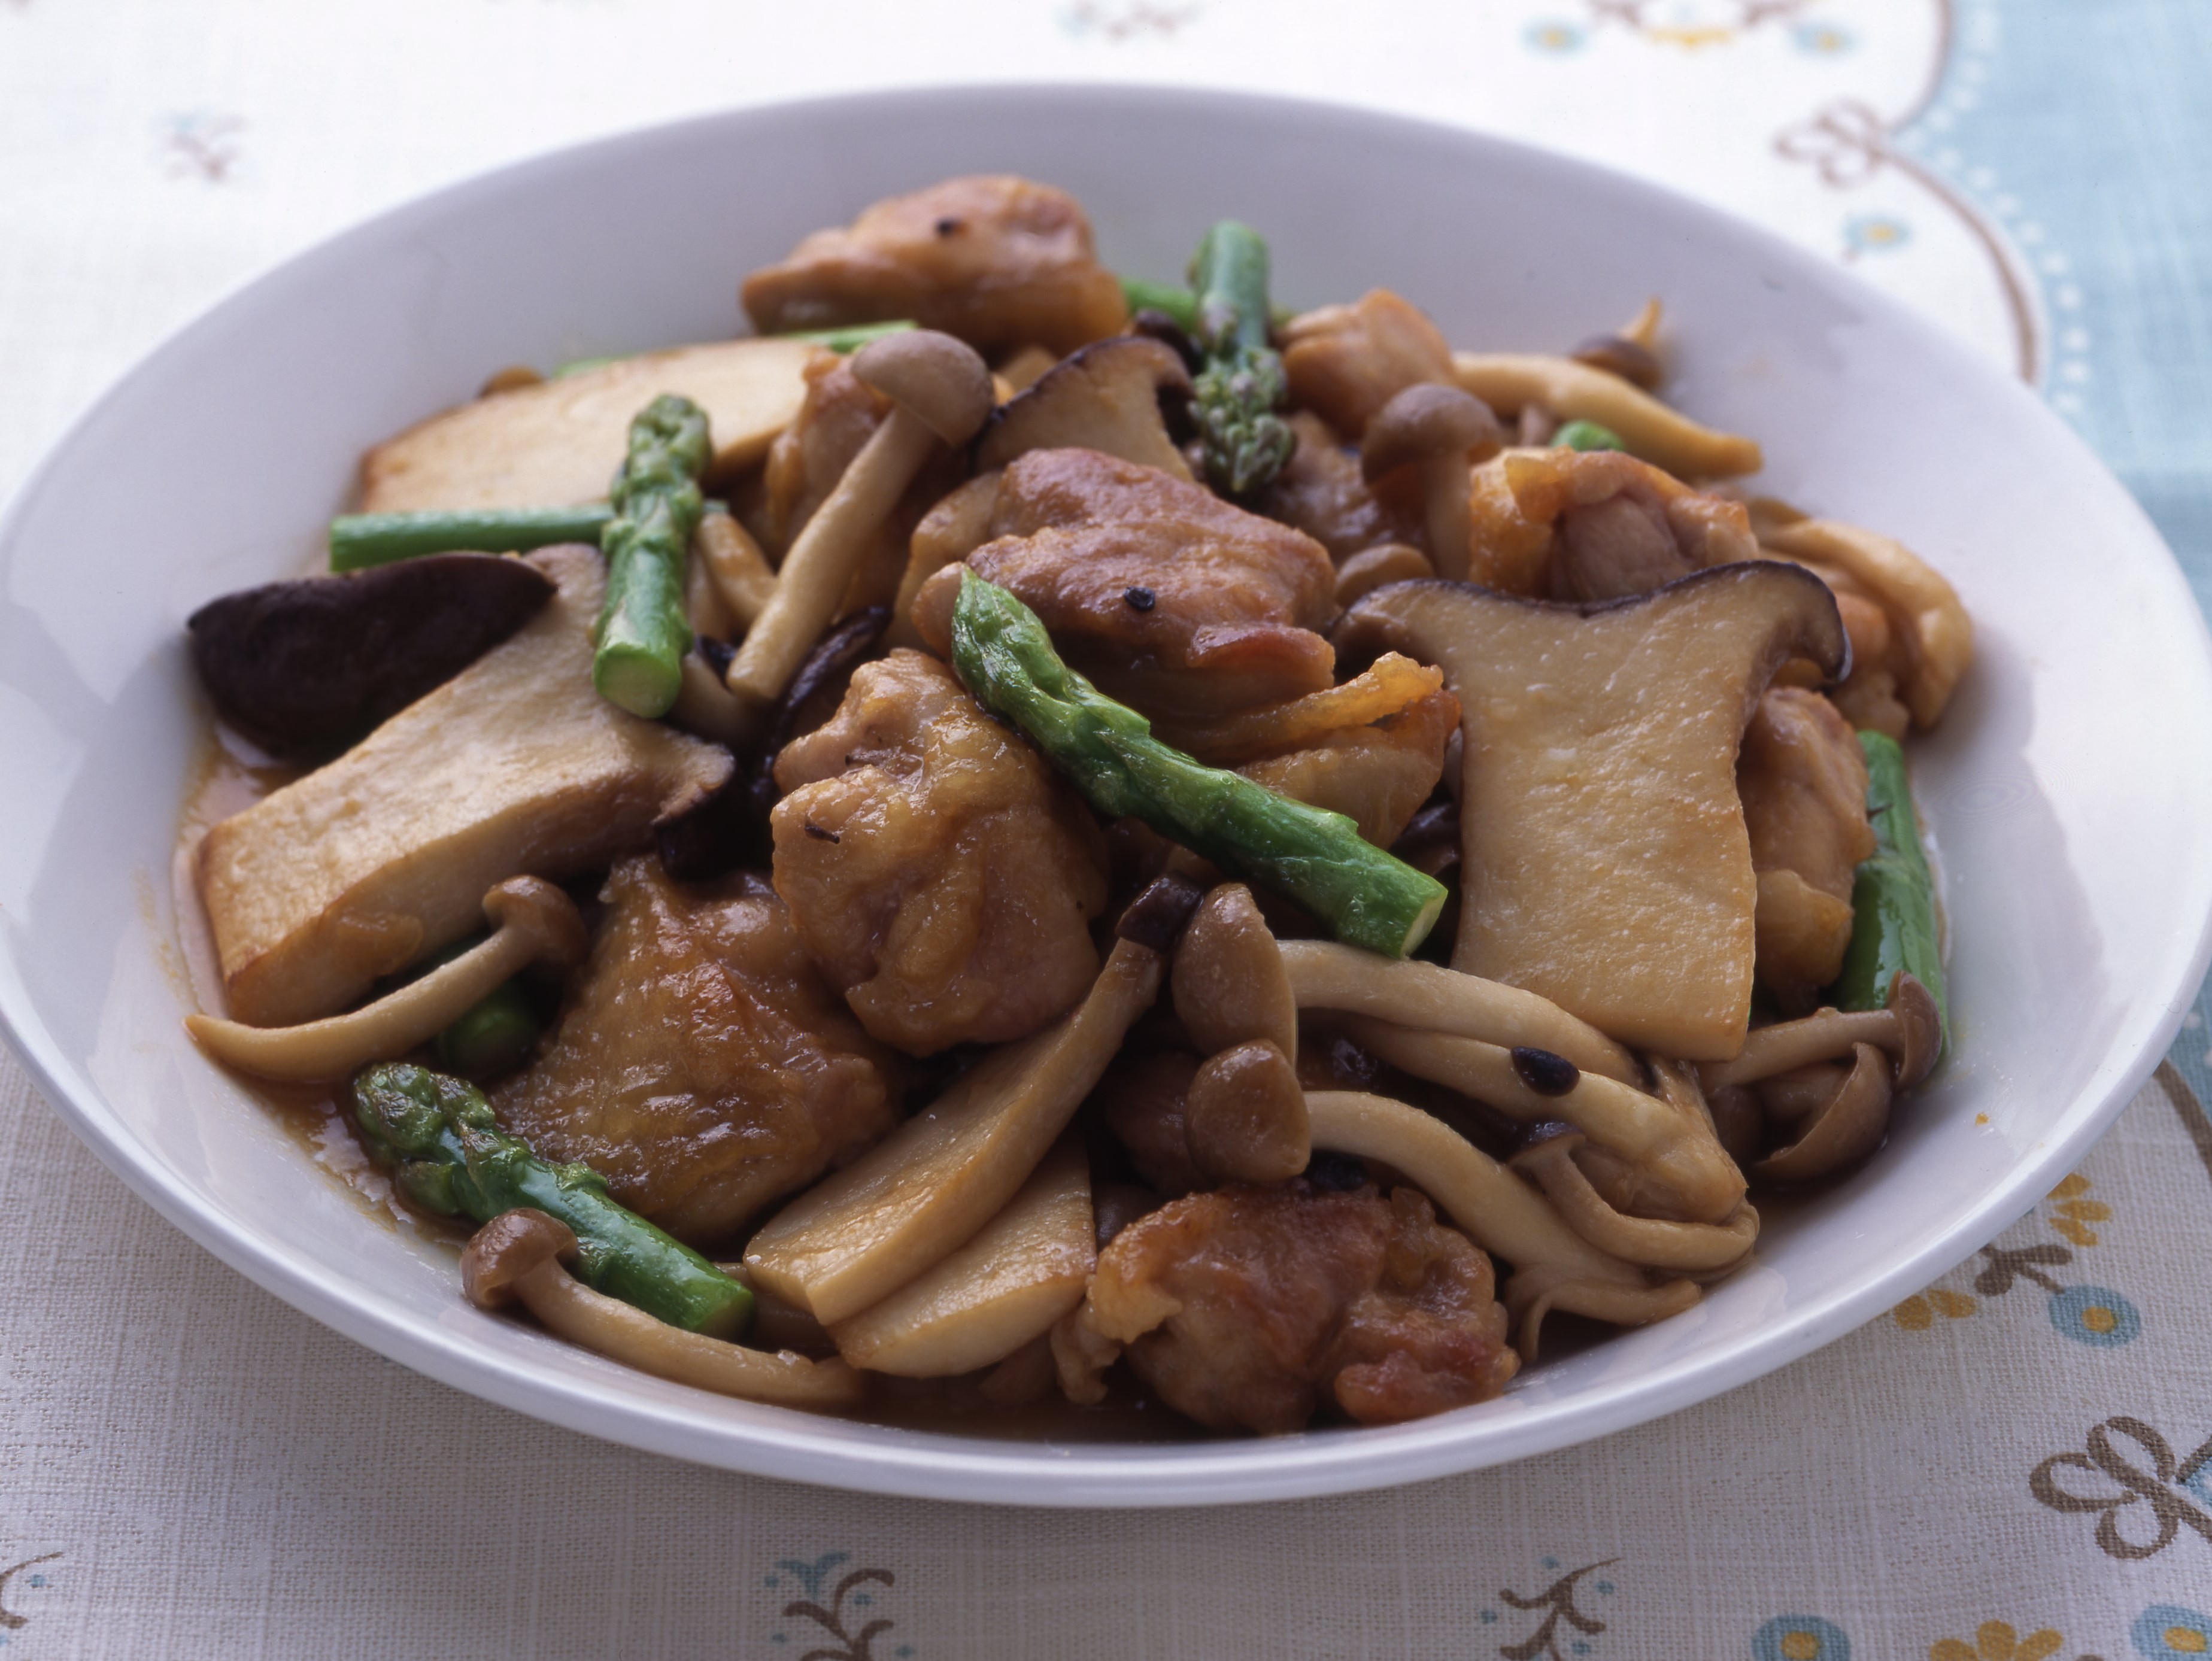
(1064, 834)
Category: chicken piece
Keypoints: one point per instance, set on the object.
(1249, 1308)
(997, 260)
(1346, 362)
(513, 767)
(810, 455)
(1804, 781)
(1168, 596)
(1596, 525)
(939, 873)
(1321, 491)
(700, 1065)
(1378, 774)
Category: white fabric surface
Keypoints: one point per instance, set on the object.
(188, 1468)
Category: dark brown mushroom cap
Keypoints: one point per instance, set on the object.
(506, 1249)
(1848, 1128)
(1230, 986)
(1424, 422)
(938, 380)
(1920, 1029)
(1244, 1116)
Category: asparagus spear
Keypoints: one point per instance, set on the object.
(1316, 857)
(644, 630)
(359, 541)
(851, 336)
(1893, 895)
(447, 1155)
(1166, 298)
(1242, 383)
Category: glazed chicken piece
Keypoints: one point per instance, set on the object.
(1248, 1308)
(997, 260)
(1378, 774)
(810, 455)
(1803, 781)
(1168, 596)
(1321, 491)
(700, 1065)
(941, 876)
(1346, 362)
(1597, 525)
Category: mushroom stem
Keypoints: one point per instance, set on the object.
(534, 923)
(735, 565)
(611, 1328)
(1441, 431)
(1908, 1030)
(1324, 975)
(1846, 1129)
(1575, 391)
(941, 391)
(1531, 1294)
(1695, 1246)
(1677, 1157)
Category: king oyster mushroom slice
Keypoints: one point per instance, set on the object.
(556, 443)
(1024, 1270)
(517, 1257)
(1441, 432)
(1104, 396)
(1845, 1129)
(513, 766)
(925, 1191)
(1907, 1029)
(1553, 1267)
(940, 393)
(1608, 865)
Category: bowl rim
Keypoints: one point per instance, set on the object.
(810, 1448)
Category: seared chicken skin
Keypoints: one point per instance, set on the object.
(998, 261)
(1346, 362)
(700, 1065)
(1170, 598)
(1248, 1308)
(942, 877)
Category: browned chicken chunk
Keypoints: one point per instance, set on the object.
(1141, 1101)
(701, 1066)
(1803, 781)
(1346, 362)
(1378, 774)
(1168, 596)
(940, 875)
(1248, 1308)
(999, 261)
(1598, 525)
(1321, 492)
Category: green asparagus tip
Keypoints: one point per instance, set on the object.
(360, 540)
(1587, 435)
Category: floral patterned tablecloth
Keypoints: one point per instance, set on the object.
(2014, 1463)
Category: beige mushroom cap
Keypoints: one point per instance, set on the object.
(543, 916)
(1426, 422)
(938, 380)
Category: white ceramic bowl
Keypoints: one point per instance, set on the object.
(2078, 888)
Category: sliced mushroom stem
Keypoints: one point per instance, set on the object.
(1908, 1030)
(534, 922)
(1678, 1160)
(709, 709)
(1324, 975)
(1693, 1246)
(940, 392)
(735, 565)
(1531, 1294)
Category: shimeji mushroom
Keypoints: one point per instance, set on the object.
(533, 923)
(1836, 1072)
(1554, 1266)
(1441, 431)
(940, 392)
(1548, 1159)
(517, 1255)
(1244, 1116)
(1105, 396)
(1579, 392)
